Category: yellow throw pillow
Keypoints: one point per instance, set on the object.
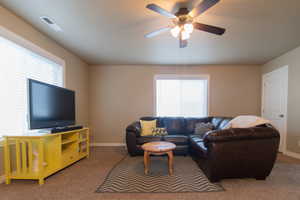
(147, 127)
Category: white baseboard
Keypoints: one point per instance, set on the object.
(2, 179)
(292, 154)
(107, 145)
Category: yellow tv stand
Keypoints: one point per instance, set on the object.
(39, 156)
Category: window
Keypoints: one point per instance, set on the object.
(185, 96)
(17, 64)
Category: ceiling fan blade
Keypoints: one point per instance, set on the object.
(157, 32)
(160, 10)
(209, 28)
(202, 7)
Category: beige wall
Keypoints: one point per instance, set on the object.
(76, 69)
(292, 59)
(120, 95)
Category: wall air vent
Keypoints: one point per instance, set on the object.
(50, 23)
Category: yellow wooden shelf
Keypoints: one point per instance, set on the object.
(68, 141)
(82, 154)
(32, 175)
(67, 151)
(37, 157)
(83, 140)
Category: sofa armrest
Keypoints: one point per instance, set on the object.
(236, 152)
(233, 134)
(134, 127)
(132, 132)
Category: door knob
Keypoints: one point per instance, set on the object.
(281, 116)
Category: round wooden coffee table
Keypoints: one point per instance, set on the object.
(158, 148)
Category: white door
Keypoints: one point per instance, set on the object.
(274, 101)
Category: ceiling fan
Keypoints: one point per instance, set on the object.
(184, 22)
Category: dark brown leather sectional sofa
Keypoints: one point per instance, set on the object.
(220, 153)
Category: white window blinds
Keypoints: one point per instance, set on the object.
(17, 64)
(186, 97)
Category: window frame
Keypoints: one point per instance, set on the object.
(19, 40)
(180, 77)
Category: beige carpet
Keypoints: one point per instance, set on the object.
(80, 180)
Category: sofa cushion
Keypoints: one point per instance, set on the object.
(195, 138)
(177, 139)
(144, 139)
(174, 125)
(190, 123)
(199, 147)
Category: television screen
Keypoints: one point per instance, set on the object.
(50, 106)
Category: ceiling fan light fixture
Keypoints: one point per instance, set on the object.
(185, 35)
(188, 28)
(184, 21)
(175, 31)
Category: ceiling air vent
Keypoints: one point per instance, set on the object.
(50, 23)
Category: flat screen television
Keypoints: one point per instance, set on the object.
(50, 106)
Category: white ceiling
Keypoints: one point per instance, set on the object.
(111, 31)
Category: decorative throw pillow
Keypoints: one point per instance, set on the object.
(147, 127)
(202, 128)
(159, 131)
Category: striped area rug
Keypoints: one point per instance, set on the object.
(128, 177)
